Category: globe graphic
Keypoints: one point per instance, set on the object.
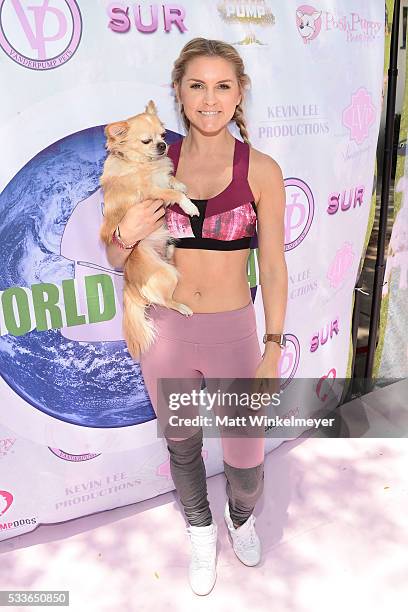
(92, 384)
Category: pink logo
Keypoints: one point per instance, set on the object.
(337, 200)
(322, 336)
(120, 20)
(359, 115)
(6, 499)
(325, 382)
(70, 457)
(289, 360)
(299, 212)
(40, 37)
(340, 265)
(5, 445)
(308, 21)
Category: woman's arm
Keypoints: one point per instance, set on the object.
(138, 222)
(273, 274)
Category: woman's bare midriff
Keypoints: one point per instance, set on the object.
(212, 281)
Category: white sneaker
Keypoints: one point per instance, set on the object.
(202, 570)
(245, 541)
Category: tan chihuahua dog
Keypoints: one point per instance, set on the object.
(137, 168)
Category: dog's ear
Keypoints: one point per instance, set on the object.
(119, 129)
(151, 108)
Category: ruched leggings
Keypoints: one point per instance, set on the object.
(210, 345)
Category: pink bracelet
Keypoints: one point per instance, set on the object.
(118, 240)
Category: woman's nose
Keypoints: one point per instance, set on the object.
(210, 97)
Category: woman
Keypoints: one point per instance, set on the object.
(233, 186)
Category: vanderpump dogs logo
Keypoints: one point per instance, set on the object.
(310, 21)
(299, 211)
(6, 499)
(248, 14)
(70, 457)
(40, 34)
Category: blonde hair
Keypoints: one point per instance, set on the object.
(214, 48)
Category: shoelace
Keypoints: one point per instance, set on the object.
(243, 541)
(201, 557)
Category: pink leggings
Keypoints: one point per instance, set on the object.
(211, 345)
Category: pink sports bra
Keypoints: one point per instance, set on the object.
(227, 221)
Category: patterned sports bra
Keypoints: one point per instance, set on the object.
(227, 221)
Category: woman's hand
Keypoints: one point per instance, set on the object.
(141, 220)
(267, 373)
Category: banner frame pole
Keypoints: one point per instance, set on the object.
(385, 190)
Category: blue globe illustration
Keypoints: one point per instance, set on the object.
(92, 384)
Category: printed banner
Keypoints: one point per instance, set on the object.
(391, 355)
(77, 429)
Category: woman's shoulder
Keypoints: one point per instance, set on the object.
(263, 171)
(262, 162)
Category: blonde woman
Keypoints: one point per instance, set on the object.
(238, 191)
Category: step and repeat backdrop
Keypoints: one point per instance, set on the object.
(391, 356)
(78, 433)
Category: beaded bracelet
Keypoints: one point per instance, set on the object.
(118, 240)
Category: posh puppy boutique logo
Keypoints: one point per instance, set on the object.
(40, 34)
(310, 21)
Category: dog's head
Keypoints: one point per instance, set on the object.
(307, 23)
(139, 138)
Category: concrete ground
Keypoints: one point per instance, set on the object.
(332, 521)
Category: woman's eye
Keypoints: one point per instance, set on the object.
(196, 85)
(224, 86)
(147, 141)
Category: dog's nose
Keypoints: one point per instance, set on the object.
(161, 147)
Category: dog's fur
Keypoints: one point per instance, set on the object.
(135, 171)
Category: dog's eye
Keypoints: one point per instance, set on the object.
(147, 141)
(163, 135)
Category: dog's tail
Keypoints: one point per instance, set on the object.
(138, 331)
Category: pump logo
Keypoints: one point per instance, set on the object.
(249, 15)
(6, 499)
(41, 34)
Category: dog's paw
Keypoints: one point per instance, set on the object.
(188, 207)
(185, 310)
(179, 186)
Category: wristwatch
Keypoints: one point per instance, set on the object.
(279, 338)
